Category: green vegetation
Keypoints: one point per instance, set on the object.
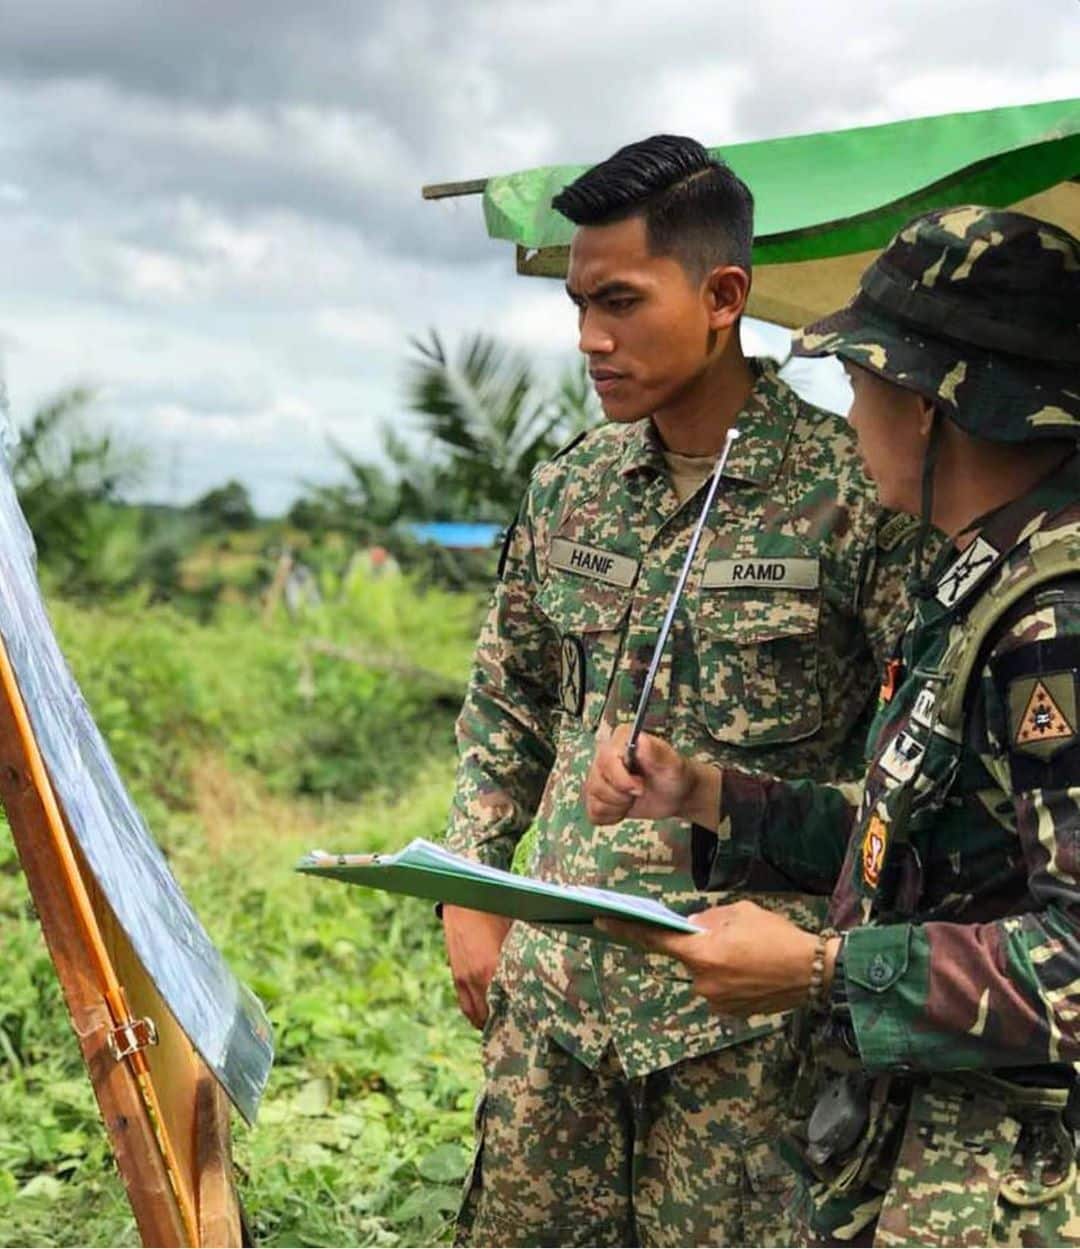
(242, 741)
(482, 421)
(268, 686)
(348, 694)
(485, 422)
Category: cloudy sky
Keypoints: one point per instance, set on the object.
(211, 211)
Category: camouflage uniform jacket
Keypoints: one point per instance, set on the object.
(771, 665)
(960, 879)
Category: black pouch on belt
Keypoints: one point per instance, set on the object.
(839, 1117)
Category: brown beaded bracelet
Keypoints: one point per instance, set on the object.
(815, 995)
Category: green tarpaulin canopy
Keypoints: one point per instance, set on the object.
(826, 203)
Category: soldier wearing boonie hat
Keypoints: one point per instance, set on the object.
(942, 1003)
(978, 310)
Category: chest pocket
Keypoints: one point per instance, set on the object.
(758, 664)
(589, 618)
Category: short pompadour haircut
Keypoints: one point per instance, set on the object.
(696, 208)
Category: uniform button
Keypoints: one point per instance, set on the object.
(880, 970)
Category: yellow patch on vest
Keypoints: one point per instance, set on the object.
(873, 850)
(1043, 720)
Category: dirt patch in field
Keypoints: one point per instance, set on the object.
(235, 809)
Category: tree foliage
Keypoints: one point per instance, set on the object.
(488, 420)
(69, 480)
(484, 421)
(62, 471)
(226, 507)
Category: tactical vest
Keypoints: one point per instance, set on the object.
(1049, 563)
(928, 754)
(1018, 1143)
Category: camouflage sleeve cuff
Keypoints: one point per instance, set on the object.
(882, 988)
(773, 835)
(714, 859)
(724, 859)
(495, 851)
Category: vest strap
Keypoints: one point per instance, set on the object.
(1048, 563)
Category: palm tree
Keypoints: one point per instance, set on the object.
(488, 421)
(63, 473)
(69, 481)
(367, 503)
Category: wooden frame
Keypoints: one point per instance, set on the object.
(165, 1115)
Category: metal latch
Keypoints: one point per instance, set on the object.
(131, 1037)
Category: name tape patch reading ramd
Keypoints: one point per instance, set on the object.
(590, 561)
(788, 574)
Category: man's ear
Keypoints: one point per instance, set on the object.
(726, 290)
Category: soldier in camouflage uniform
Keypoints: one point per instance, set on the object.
(945, 1019)
(617, 1109)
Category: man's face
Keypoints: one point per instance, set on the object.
(891, 425)
(643, 321)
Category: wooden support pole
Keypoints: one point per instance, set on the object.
(165, 1115)
(219, 1209)
(116, 1086)
(448, 190)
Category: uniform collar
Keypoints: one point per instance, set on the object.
(764, 422)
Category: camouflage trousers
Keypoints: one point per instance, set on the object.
(567, 1155)
(968, 1171)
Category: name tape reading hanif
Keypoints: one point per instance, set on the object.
(589, 561)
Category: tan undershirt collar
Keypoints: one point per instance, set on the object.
(688, 472)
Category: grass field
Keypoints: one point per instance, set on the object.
(246, 746)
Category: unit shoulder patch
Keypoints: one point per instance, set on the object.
(875, 839)
(1042, 713)
(572, 675)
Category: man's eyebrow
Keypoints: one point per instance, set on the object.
(605, 290)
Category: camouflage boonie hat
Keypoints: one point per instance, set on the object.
(978, 309)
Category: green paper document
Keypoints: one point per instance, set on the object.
(425, 870)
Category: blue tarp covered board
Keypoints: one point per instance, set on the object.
(222, 1019)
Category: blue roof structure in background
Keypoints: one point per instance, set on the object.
(457, 535)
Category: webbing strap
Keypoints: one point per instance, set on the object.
(1048, 563)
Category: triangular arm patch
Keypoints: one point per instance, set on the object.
(1043, 713)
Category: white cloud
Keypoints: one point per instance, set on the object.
(361, 326)
(539, 318)
(934, 90)
(139, 273)
(220, 223)
(698, 99)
